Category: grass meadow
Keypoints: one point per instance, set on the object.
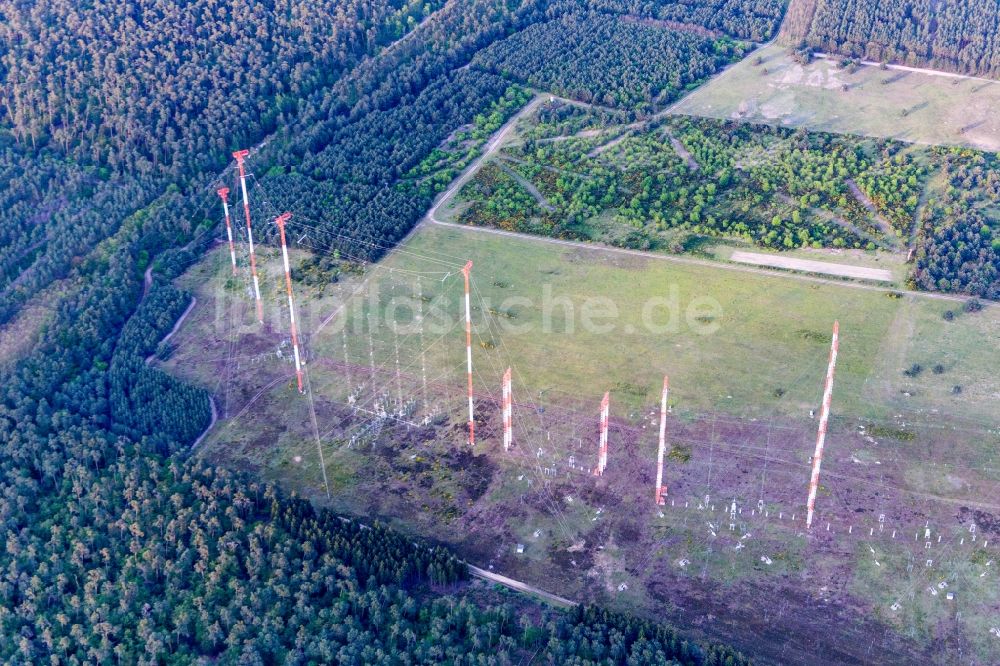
(768, 86)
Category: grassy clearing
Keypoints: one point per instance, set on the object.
(603, 540)
(925, 600)
(19, 334)
(908, 106)
(769, 332)
(967, 356)
(574, 323)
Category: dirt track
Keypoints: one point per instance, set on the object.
(905, 68)
(519, 586)
(701, 262)
(211, 424)
(177, 325)
(491, 147)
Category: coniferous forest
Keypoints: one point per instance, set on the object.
(116, 125)
(953, 35)
(168, 561)
(608, 60)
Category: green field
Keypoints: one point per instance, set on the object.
(909, 106)
(765, 333)
(743, 379)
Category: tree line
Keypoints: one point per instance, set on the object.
(354, 188)
(169, 561)
(953, 35)
(756, 20)
(685, 178)
(958, 247)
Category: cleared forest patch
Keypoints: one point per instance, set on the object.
(386, 375)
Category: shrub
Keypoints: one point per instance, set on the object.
(973, 305)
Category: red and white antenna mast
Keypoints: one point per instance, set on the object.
(240, 155)
(823, 418)
(468, 352)
(661, 490)
(280, 221)
(602, 450)
(508, 435)
(223, 194)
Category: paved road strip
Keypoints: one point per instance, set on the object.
(811, 266)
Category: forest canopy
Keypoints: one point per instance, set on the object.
(610, 61)
(953, 35)
(756, 20)
(176, 85)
